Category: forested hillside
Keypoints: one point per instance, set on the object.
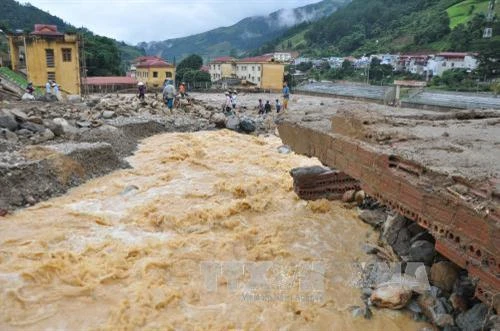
(378, 26)
(243, 36)
(105, 56)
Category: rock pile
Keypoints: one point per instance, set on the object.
(424, 282)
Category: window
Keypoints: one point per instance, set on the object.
(258, 68)
(452, 64)
(51, 75)
(258, 79)
(66, 54)
(168, 74)
(49, 57)
(253, 68)
(155, 74)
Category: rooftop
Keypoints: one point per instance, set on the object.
(46, 30)
(110, 80)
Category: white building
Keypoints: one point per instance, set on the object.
(449, 60)
(285, 56)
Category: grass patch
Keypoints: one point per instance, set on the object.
(463, 12)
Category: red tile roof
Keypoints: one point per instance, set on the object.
(205, 69)
(223, 59)
(110, 80)
(154, 63)
(258, 59)
(46, 30)
(452, 54)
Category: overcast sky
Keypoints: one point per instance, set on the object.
(134, 21)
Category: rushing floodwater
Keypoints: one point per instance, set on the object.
(110, 256)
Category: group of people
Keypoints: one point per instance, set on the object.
(168, 92)
(266, 108)
(51, 87)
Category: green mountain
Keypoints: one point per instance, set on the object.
(379, 26)
(105, 56)
(243, 36)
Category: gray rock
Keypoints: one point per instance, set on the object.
(19, 115)
(37, 128)
(57, 129)
(27, 97)
(233, 123)
(108, 114)
(435, 310)
(395, 233)
(474, 319)
(373, 217)
(219, 120)
(422, 251)
(67, 128)
(83, 124)
(247, 125)
(8, 135)
(284, 149)
(24, 132)
(8, 121)
(74, 98)
(47, 135)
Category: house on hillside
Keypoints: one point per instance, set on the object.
(47, 54)
(413, 63)
(222, 68)
(152, 70)
(285, 56)
(451, 60)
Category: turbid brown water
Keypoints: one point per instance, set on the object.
(138, 249)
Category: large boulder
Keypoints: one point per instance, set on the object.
(8, 121)
(437, 310)
(374, 217)
(444, 274)
(247, 125)
(392, 296)
(33, 127)
(67, 128)
(57, 129)
(474, 319)
(8, 135)
(395, 233)
(233, 123)
(422, 251)
(219, 120)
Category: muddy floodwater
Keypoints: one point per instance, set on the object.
(203, 232)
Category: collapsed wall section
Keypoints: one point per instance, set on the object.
(466, 224)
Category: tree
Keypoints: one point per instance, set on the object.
(193, 61)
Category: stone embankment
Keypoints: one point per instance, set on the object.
(48, 147)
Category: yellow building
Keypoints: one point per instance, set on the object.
(46, 54)
(262, 71)
(222, 67)
(153, 70)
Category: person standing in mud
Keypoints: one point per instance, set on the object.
(278, 106)
(286, 96)
(261, 107)
(267, 107)
(142, 91)
(169, 94)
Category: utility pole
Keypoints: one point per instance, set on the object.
(488, 30)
